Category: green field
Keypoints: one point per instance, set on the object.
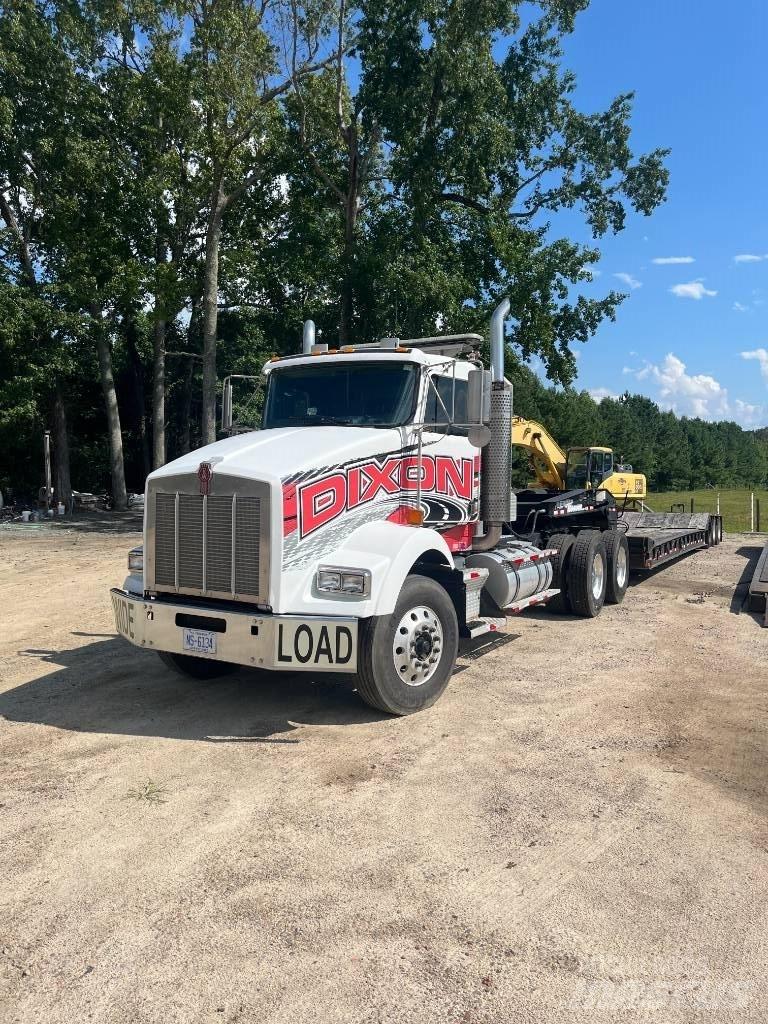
(734, 506)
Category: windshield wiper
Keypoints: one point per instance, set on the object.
(327, 421)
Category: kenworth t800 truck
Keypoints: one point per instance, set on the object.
(368, 527)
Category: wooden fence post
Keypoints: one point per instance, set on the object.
(691, 506)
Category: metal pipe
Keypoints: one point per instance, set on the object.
(495, 492)
(308, 339)
(489, 539)
(497, 340)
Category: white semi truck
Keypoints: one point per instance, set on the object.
(368, 527)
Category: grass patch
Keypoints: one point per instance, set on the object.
(149, 792)
(734, 506)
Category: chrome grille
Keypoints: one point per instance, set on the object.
(190, 545)
(165, 539)
(248, 520)
(208, 544)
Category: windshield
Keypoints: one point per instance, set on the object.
(350, 394)
(587, 468)
(577, 468)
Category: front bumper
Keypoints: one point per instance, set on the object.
(288, 643)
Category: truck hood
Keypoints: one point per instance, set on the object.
(284, 451)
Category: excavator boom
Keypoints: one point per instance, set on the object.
(547, 457)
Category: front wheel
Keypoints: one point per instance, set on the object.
(406, 659)
(197, 668)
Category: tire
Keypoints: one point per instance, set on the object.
(617, 551)
(197, 668)
(423, 615)
(563, 545)
(587, 574)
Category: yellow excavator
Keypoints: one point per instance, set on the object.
(577, 468)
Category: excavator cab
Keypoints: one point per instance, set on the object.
(587, 467)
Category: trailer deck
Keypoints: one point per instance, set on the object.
(658, 537)
(758, 587)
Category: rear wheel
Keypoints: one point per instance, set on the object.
(617, 552)
(588, 574)
(197, 668)
(562, 543)
(406, 659)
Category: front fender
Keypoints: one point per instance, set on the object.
(386, 550)
(389, 551)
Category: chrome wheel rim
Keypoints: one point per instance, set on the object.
(417, 645)
(621, 567)
(598, 574)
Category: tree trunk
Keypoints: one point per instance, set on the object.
(117, 468)
(158, 393)
(346, 316)
(211, 315)
(62, 482)
(137, 380)
(185, 441)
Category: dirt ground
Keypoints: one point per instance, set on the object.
(577, 831)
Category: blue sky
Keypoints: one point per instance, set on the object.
(698, 68)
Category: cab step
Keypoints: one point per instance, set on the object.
(485, 624)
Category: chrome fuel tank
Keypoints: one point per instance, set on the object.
(516, 570)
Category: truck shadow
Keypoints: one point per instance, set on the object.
(108, 687)
(737, 592)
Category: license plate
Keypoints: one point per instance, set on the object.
(326, 645)
(199, 641)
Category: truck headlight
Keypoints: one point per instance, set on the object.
(333, 580)
(136, 560)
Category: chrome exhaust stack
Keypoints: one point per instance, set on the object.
(497, 504)
(308, 337)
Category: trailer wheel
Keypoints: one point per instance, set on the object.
(197, 668)
(587, 574)
(617, 550)
(563, 546)
(406, 659)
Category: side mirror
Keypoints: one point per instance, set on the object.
(479, 397)
(226, 406)
(479, 407)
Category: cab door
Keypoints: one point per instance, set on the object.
(451, 463)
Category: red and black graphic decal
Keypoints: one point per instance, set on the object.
(446, 485)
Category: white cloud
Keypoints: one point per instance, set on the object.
(749, 257)
(761, 355)
(692, 290)
(628, 280)
(738, 308)
(664, 261)
(600, 393)
(698, 394)
(748, 415)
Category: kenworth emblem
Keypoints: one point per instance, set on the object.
(204, 473)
